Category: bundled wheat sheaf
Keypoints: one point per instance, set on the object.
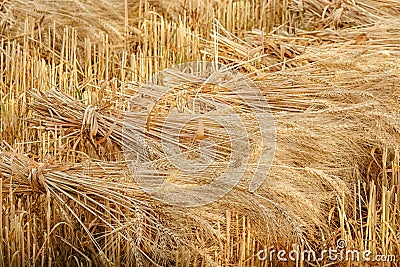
(84, 126)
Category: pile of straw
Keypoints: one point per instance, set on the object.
(330, 74)
(324, 134)
(100, 199)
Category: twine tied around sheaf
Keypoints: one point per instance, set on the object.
(89, 121)
(36, 177)
(91, 125)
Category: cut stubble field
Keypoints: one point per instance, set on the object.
(72, 71)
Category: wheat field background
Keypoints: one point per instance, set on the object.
(330, 71)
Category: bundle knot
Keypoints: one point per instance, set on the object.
(37, 179)
(89, 121)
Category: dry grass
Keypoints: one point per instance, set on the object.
(330, 72)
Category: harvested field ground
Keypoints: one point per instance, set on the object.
(329, 70)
